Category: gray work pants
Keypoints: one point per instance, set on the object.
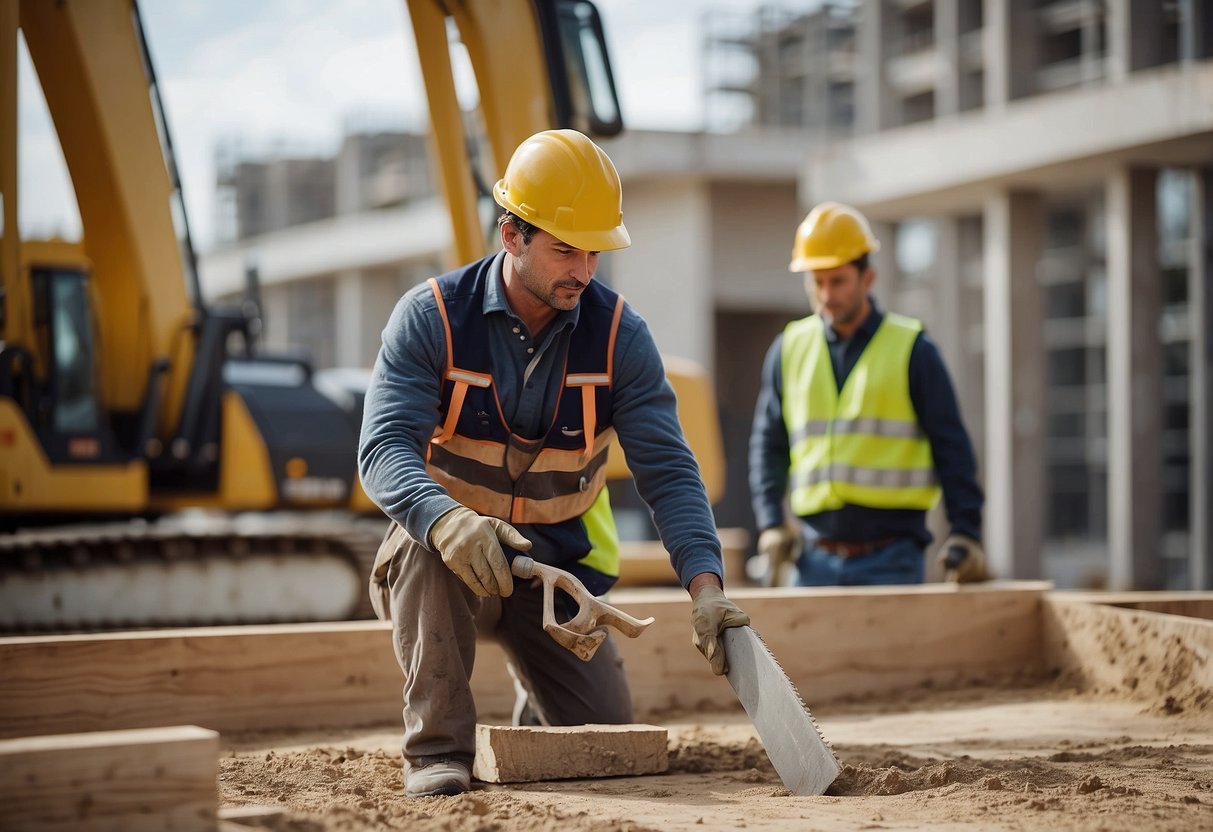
(435, 620)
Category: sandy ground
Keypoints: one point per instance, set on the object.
(1023, 758)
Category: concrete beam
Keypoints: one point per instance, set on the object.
(524, 755)
(126, 781)
(899, 172)
(419, 231)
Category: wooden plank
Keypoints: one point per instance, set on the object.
(224, 678)
(647, 563)
(1191, 604)
(841, 642)
(524, 755)
(832, 642)
(1164, 660)
(126, 781)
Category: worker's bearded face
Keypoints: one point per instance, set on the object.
(840, 295)
(554, 272)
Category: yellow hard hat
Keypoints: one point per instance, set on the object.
(562, 182)
(832, 235)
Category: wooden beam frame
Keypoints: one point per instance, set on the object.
(832, 643)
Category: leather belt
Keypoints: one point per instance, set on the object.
(852, 548)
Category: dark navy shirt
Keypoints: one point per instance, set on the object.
(938, 412)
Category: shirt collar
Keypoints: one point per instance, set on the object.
(496, 301)
(866, 330)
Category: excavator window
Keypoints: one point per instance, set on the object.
(64, 314)
(584, 87)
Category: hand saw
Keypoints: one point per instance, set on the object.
(800, 753)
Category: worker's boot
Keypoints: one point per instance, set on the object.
(447, 777)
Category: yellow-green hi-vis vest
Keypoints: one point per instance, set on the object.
(861, 445)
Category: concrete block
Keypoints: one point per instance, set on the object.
(506, 754)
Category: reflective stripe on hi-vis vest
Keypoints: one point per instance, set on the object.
(526, 480)
(861, 445)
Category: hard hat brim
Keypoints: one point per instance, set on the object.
(610, 239)
(814, 264)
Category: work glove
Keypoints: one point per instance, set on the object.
(962, 560)
(711, 614)
(470, 546)
(780, 547)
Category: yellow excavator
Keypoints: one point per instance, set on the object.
(156, 467)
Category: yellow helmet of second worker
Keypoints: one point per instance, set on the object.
(562, 182)
(832, 235)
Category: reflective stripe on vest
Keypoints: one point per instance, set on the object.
(861, 445)
(522, 481)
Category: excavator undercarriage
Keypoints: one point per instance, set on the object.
(194, 569)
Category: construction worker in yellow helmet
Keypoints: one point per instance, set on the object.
(495, 397)
(858, 427)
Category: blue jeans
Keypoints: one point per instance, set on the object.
(900, 562)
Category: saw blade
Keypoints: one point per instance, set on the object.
(802, 756)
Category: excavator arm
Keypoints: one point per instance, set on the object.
(537, 65)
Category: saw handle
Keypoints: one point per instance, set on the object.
(585, 631)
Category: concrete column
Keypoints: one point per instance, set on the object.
(948, 329)
(1134, 382)
(347, 318)
(1200, 427)
(667, 273)
(947, 61)
(1011, 45)
(275, 316)
(967, 373)
(364, 299)
(1134, 36)
(874, 105)
(1015, 385)
(884, 261)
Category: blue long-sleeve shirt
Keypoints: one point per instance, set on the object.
(935, 404)
(402, 410)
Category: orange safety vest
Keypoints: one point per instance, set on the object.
(473, 453)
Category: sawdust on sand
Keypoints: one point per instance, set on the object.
(984, 758)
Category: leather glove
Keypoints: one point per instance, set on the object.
(470, 546)
(781, 547)
(712, 613)
(963, 560)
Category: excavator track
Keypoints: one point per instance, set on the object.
(188, 570)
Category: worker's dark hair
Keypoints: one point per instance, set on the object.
(861, 263)
(524, 228)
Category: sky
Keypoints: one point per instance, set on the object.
(298, 74)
